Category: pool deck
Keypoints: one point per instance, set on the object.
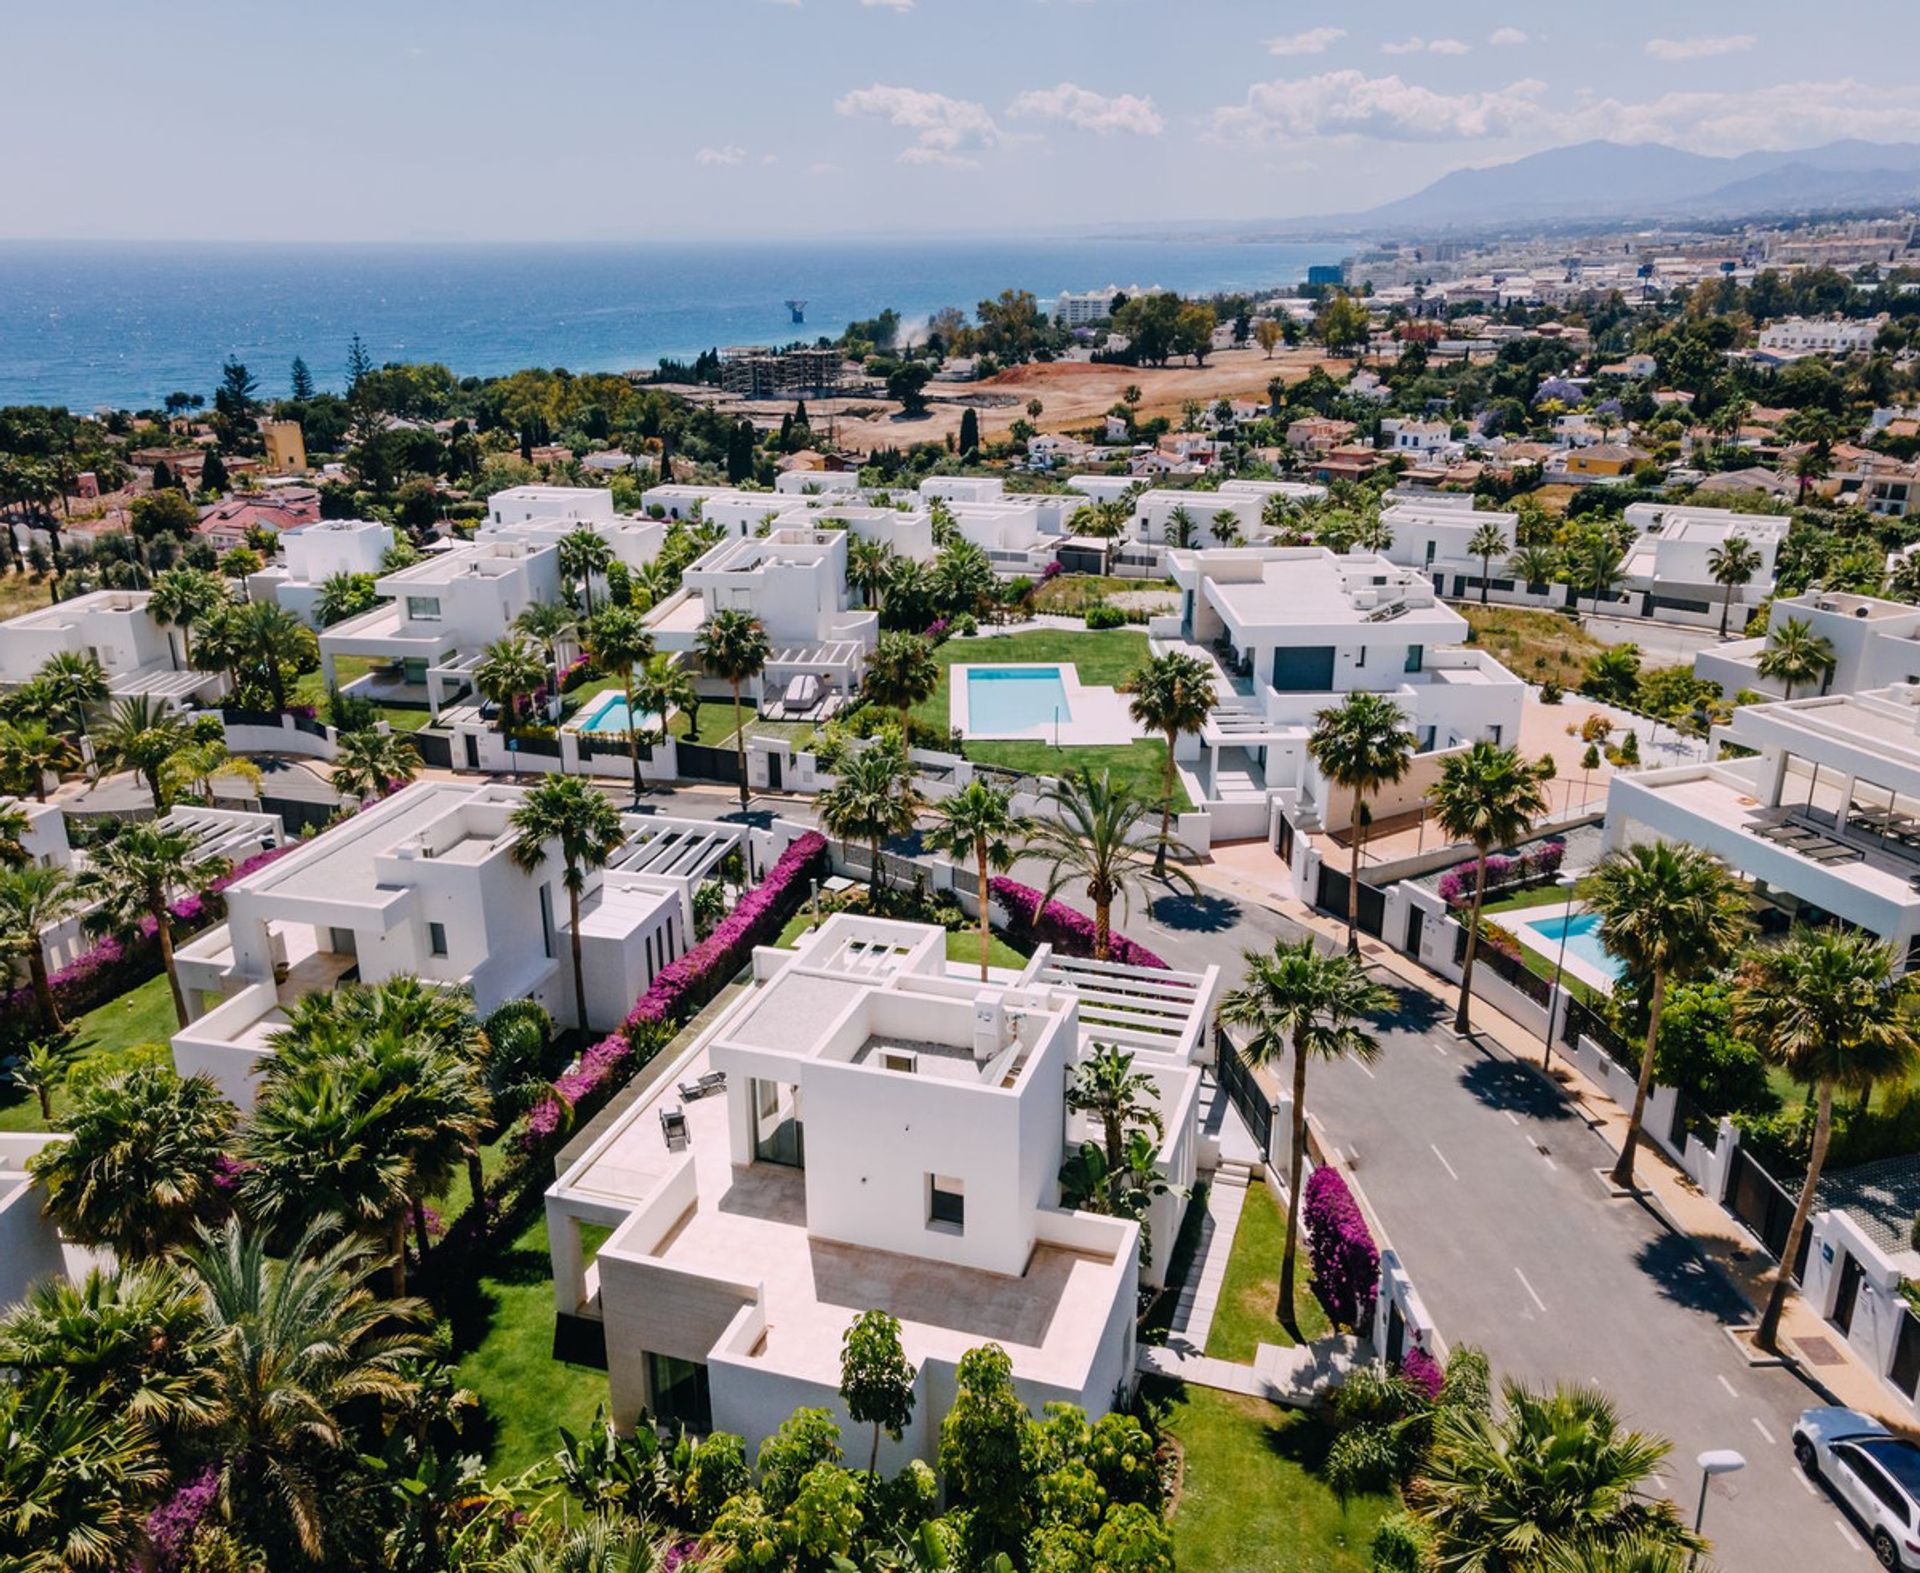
(1093, 716)
(1576, 966)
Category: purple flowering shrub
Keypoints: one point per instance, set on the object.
(1542, 863)
(1423, 1371)
(1071, 933)
(1346, 1262)
(171, 1525)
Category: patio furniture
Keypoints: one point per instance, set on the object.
(673, 1126)
(1831, 852)
(702, 1086)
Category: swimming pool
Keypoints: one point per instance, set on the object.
(1582, 932)
(1019, 699)
(612, 717)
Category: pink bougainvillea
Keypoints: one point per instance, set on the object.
(1423, 1371)
(1346, 1262)
(1542, 863)
(1069, 932)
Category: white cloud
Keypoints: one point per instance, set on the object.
(946, 130)
(1350, 103)
(1090, 111)
(1502, 37)
(888, 5)
(1424, 46)
(720, 157)
(1700, 48)
(1314, 41)
(1784, 116)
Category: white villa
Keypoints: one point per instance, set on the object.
(437, 617)
(312, 554)
(1670, 566)
(546, 515)
(1243, 499)
(138, 656)
(1874, 642)
(1432, 534)
(31, 1247)
(870, 1126)
(425, 883)
(1289, 630)
(1824, 819)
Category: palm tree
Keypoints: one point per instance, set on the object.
(601, 1545)
(1181, 530)
(1599, 563)
(1484, 543)
(194, 768)
(548, 626)
(29, 752)
(1363, 745)
(978, 822)
(1294, 998)
(1732, 563)
(1533, 565)
(138, 1170)
(35, 901)
(133, 877)
(299, 1343)
(734, 645)
(1091, 829)
(663, 686)
(1796, 654)
(14, 826)
(1490, 796)
(869, 562)
(508, 669)
(277, 645)
(74, 1480)
(1668, 911)
(582, 555)
(1226, 527)
(1827, 1008)
(141, 734)
(74, 682)
(39, 1069)
(369, 764)
(1173, 694)
(1121, 1099)
(901, 673)
(873, 798)
(1555, 1473)
(343, 595)
(617, 642)
(182, 597)
(569, 812)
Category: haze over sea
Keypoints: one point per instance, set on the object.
(122, 325)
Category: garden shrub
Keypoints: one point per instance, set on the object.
(1070, 933)
(1402, 1544)
(1346, 1262)
(1534, 866)
(1103, 615)
(1423, 1372)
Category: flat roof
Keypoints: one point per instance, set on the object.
(338, 865)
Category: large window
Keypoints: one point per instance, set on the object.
(680, 1392)
(423, 608)
(946, 1203)
(1306, 669)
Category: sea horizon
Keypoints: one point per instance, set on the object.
(120, 324)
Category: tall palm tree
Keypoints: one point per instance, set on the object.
(34, 902)
(1294, 999)
(182, 597)
(278, 646)
(978, 822)
(370, 764)
(1533, 565)
(134, 877)
(583, 553)
(141, 734)
(1226, 528)
(137, 1170)
(1106, 1086)
(734, 645)
(29, 752)
(570, 813)
(549, 626)
(1092, 828)
(1796, 654)
(1732, 563)
(74, 1481)
(869, 562)
(873, 798)
(1490, 796)
(662, 686)
(300, 1344)
(1554, 1473)
(1827, 1008)
(508, 670)
(74, 682)
(1361, 744)
(1599, 562)
(1181, 530)
(1173, 694)
(901, 673)
(1669, 912)
(617, 642)
(1485, 543)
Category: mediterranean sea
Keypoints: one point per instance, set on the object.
(122, 325)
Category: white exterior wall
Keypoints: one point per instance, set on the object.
(573, 504)
(479, 591)
(314, 553)
(112, 625)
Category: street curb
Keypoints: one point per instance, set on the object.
(1621, 1193)
(1756, 1358)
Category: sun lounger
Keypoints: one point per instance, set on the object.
(701, 1086)
(673, 1126)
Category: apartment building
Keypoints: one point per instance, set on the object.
(1820, 335)
(315, 553)
(870, 1126)
(425, 884)
(1874, 643)
(139, 657)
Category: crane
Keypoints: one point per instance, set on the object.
(799, 310)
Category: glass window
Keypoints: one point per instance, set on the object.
(680, 1392)
(437, 939)
(1416, 657)
(946, 1202)
(423, 608)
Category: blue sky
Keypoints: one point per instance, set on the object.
(618, 119)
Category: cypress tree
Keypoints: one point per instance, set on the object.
(969, 433)
(302, 380)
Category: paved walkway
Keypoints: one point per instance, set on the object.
(1200, 1294)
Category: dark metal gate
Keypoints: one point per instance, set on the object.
(1764, 1205)
(1244, 1091)
(702, 763)
(1333, 898)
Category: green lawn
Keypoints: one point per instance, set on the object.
(311, 689)
(142, 1015)
(960, 947)
(503, 1333)
(1245, 1318)
(1251, 1500)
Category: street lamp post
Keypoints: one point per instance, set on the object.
(1566, 882)
(1718, 1461)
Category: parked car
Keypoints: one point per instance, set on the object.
(1872, 1471)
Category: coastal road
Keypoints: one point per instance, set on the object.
(1483, 1175)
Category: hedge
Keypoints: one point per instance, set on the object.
(1456, 885)
(1069, 932)
(1346, 1262)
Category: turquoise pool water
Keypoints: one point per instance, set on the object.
(1019, 699)
(612, 717)
(1582, 932)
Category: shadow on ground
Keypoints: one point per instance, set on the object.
(1414, 1010)
(1516, 1089)
(1208, 914)
(1687, 1278)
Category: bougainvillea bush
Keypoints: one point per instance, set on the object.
(1504, 873)
(1423, 1371)
(1346, 1262)
(1067, 931)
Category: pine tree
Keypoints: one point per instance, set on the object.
(359, 363)
(213, 473)
(302, 380)
(969, 433)
(162, 475)
(740, 453)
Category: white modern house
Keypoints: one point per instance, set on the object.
(436, 617)
(311, 554)
(31, 1247)
(1670, 566)
(1245, 500)
(116, 629)
(1434, 535)
(546, 515)
(1289, 630)
(1820, 335)
(1824, 818)
(870, 1126)
(794, 580)
(425, 883)
(1874, 643)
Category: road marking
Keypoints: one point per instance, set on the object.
(1761, 1428)
(1511, 1117)
(1732, 1391)
(1550, 1163)
(1534, 1295)
(1439, 1047)
(1845, 1533)
(1362, 1066)
(1800, 1475)
(1443, 1160)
